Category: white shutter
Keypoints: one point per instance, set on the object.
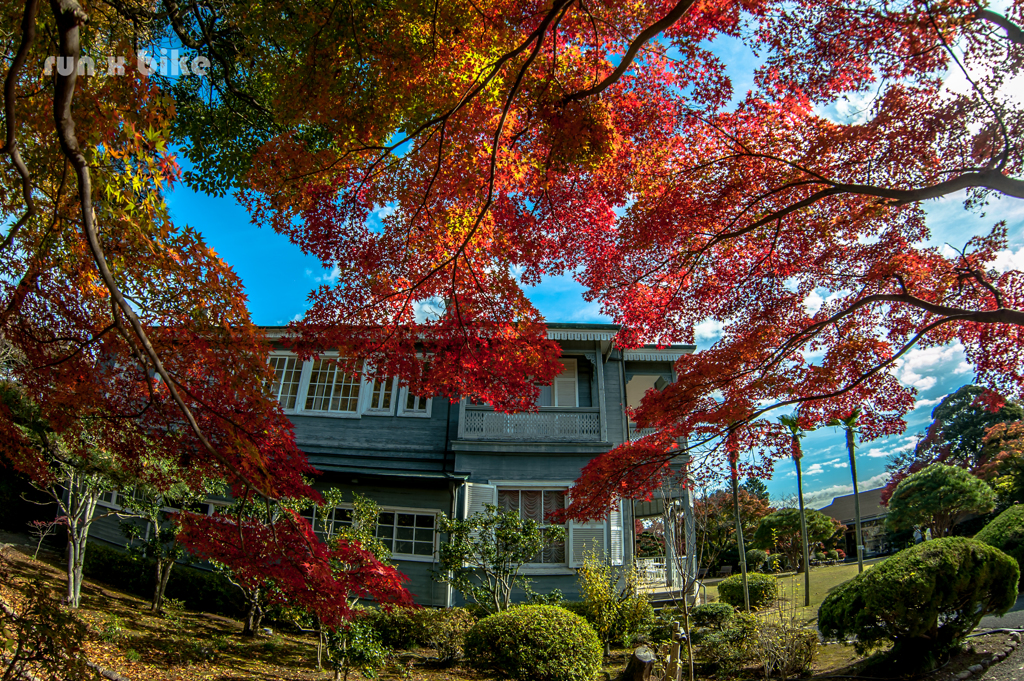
(476, 495)
(615, 531)
(565, 391)
(586, 538)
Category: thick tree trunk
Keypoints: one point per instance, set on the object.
(254, 616)
(639, 667)
(163, 575)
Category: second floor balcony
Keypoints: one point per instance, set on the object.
(557, 424)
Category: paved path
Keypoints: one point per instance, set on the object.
(1013, 619)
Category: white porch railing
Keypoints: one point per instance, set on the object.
(563, 425)
(652, 572)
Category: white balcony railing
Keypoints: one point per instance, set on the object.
(563, 425)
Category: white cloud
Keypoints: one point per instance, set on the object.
(814, 469)
(919, 367)
(876, 453)
(708, 330)
(330, 278)
(813, 302)
(1009, 260)
(921, 404)
(824, 497)
(424, 310)
(382, 212)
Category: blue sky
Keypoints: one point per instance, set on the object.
(278, 279)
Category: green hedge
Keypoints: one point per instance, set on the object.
(924, 599)
(715, 615)
(1006, 533)
(201, 590)
(535, 643)
(764, 590)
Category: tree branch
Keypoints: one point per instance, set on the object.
(1013, 32)
(70, 17)
(28, 34)
(674, 15)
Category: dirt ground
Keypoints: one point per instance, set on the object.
(125, 637)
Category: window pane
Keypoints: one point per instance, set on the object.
(508, 499)
(424, 549)
(532, 505)
(425, 535)
(381, 397)
(330, 390)
(386, 519)
(385, 531)
(405, 533)
(424, 521)
(553, 501)
(287, 371)
(403, 547)
(406, 520)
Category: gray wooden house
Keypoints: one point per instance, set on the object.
(418, 458)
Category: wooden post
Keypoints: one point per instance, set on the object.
(674, 670)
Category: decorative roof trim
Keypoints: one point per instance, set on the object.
(656, 355)
(580, 335)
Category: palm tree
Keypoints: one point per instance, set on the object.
(796, 432)
(849, 424)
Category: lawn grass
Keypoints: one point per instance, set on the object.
(823, 579)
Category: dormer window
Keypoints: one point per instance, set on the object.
(287, 375)
(331, 390)
(381, 397)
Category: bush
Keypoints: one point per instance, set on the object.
(444, 630)
(1006, 533)
(832, 554)
(782, 648)
(535, 643)
(924, 599)
(715, 615)
(725, 650)
(818, 555)
(617, 615)
(202, 590)
(398, 628)
(756, 559)
(764, 589)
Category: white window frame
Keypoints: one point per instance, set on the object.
(554, 486)
(403, 397)
(301, 389)
(390, 387)
(393, 539)
(307, 371)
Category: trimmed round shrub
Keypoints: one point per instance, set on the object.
(535, 642)
(756, 558)
(764, 590)
(1006, 533)
(832, 554)
(714, 615)
(924, 599)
